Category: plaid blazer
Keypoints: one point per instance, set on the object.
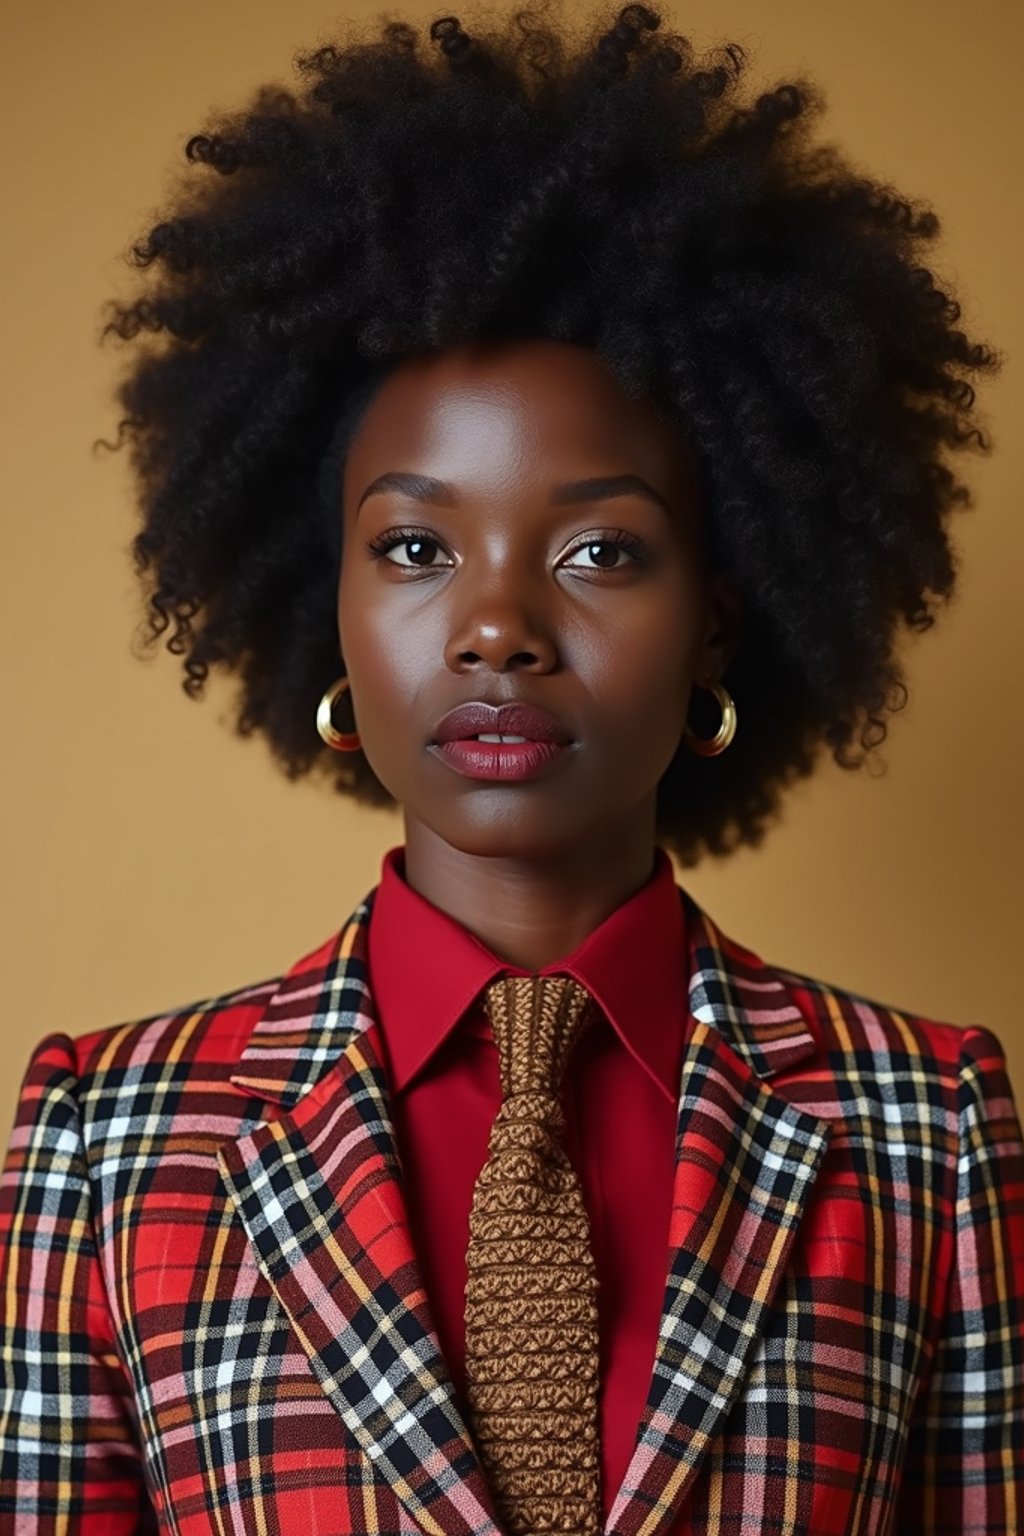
(213, 1320)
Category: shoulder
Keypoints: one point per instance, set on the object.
(852, 1026)
(819, 1025)
(198, 1044)
(140, 1075)
(210, 1030)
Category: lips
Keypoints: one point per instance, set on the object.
(519, 719)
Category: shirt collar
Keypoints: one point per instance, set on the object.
(426, 969)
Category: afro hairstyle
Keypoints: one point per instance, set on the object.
(600, 185)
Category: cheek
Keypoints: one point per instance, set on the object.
(389, 657)
(639, 667)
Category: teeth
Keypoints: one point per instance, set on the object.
(500, 738)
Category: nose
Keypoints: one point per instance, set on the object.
(500, 628)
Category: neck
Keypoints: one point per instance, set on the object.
(530, 910)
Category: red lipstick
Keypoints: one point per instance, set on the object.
(541, 740)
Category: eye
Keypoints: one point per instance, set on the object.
(613, 542)
(415, 539)
(597, 546)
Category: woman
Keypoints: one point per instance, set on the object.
(554, 449)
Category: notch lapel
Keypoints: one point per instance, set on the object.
(319, 1190)
(746, 1161)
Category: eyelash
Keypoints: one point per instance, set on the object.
(618, 539)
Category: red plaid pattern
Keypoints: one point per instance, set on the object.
(213, 1320)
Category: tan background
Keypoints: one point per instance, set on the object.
(150, 858)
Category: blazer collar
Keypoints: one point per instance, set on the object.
(319, 1190)
(323, 1001)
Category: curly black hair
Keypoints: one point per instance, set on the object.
(594, 186)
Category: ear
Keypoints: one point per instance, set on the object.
(723, 625)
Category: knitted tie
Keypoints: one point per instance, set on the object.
(531, 1311)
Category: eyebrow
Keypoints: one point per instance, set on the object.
(600, 488)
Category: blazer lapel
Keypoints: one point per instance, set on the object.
(318, 1187)
(319, 1192)
(746, 1161)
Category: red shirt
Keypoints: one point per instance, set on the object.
(427, 972)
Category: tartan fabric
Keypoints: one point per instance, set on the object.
(213, 1321)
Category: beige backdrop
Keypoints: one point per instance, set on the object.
(151, 859)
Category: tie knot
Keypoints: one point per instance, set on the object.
(536, 1021)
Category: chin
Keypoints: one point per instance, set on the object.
(499, 832)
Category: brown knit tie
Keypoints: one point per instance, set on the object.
(531, 1291)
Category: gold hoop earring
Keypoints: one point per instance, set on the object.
(341, 741)
(711, 746)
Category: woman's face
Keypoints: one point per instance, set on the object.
(499, 586)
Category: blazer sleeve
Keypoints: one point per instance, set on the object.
(70, 1459)
(964, 1467)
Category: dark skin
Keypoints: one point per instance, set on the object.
(504, 595)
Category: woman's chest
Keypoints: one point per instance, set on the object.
(331, 1405)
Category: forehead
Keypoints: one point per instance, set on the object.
(525, 407)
